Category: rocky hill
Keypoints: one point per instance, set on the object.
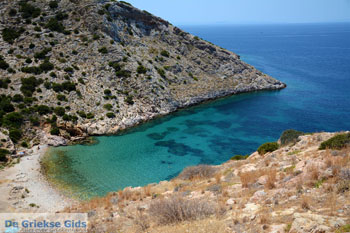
(74, 68)
(300, 185)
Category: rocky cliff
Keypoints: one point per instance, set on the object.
(76, 68)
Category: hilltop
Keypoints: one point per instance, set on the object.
(70, 69)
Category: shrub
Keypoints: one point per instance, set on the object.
(290, 136)
(10, 34)
(15, 135)
(141, 69)
(61, 16)
(200, 171)
(129, 100)
(164, 53)
(31, 70)
(3, 154)
(42, 54)
(90, 115)
(29, 85)
(239, 157)
(161, 72)
(53, 4)
(60, 111)
(69, 70)
(3, 64)
(107, 92)
(68, 86)
(337, 142)
(13, 120)
(28, 10)
(82, 114)
(43, 109)
(176, 209)
(17, 98)
(62, 98)
(123, 73)
(108, 106)
(28, 60)
(54, 25)
(268, 147)
(46, 66)
(110, 115)
(4, 83)
(24, 144)
(35, 121)
(55, 131)
(103, 50)
(12, 12)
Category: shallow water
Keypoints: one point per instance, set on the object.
(312, 59)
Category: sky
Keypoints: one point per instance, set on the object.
(204, 12)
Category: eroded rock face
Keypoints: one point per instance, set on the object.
(148, 66)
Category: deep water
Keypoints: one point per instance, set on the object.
(314, 61)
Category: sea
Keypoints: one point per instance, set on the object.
(312, 59)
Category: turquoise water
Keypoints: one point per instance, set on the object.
(314, 60)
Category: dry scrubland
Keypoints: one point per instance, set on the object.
(296, 188)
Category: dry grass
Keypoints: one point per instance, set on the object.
(208, 225)
(249, 178)
(147, 191)
(177, 209)
(305, 202)
(271, 179)
(197, 172)
(314, 172)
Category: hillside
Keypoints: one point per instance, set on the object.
(69, 69)
(299, 187)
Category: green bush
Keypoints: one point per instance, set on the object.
(268, 147)
(43, 109)
(4, 65)
(42, 54)
(55, 25)
(239, 157)
(4, 83)
(337, 142)
(107, 92)
(17, 98)
(13, 120)
(12, 12)
(123, 73)
(129, 100)
(141, 69)
(164, 53)
(110, 115)
(55, 131)
(103, 50)
(35, 121)
(29, 11)
(60, 111)
(3, 154)
(69, 70)
(46, 66)
(108, 106)
(161, 72)
(62, 98)
(15, 135)
(24, 144)
(53, 4)
(90, 115)
(31, 70)
(10, 34)
(82, 114)
(29, 85)
(290, 136)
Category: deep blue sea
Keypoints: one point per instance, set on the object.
(312, 59)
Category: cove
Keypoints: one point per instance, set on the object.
(312, 59)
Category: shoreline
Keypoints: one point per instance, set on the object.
(16, 181)
(25, 189)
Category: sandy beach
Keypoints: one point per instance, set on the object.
(24, 189)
